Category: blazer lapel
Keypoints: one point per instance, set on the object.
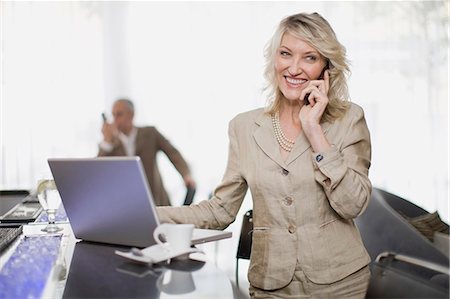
(302, 144)
(138, 143)
(265, 139)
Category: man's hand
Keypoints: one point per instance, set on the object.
(189, 181)
(109, 131)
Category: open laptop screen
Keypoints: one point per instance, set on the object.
(106, 199)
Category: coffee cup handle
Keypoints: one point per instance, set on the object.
(157, 232)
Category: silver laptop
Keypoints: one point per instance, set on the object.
(108, 200)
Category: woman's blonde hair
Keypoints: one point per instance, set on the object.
(316, 31)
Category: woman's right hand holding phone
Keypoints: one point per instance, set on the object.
(310, 115)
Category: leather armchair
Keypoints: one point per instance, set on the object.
(386, 232)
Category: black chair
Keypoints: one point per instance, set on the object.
(245, 241)
(386, 232)
(383, 228)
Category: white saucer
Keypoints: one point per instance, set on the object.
(155, 254)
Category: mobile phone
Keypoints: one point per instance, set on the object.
(104, 117)
(305, 99)
(322, 74)
(189, 196)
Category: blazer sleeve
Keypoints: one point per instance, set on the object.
(117, 150)
(172, 153)
(219, 211)
(343, 170)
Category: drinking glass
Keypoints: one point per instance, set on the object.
(50, 200)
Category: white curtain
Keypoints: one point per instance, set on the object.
(191, 66)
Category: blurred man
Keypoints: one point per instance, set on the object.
(122, 138)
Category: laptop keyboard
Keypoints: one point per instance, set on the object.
(8, 235)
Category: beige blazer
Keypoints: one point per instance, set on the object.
(303, 208)
(148, 143)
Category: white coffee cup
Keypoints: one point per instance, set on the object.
(178, 236)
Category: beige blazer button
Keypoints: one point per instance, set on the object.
(292, 229)
(288, 201)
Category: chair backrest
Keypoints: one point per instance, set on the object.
(382, 229)
(401, 205)
(245, 239)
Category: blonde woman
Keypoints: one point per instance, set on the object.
(306, 159)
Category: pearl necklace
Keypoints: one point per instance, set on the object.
(285, 143)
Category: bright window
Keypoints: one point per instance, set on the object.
(191, 66)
